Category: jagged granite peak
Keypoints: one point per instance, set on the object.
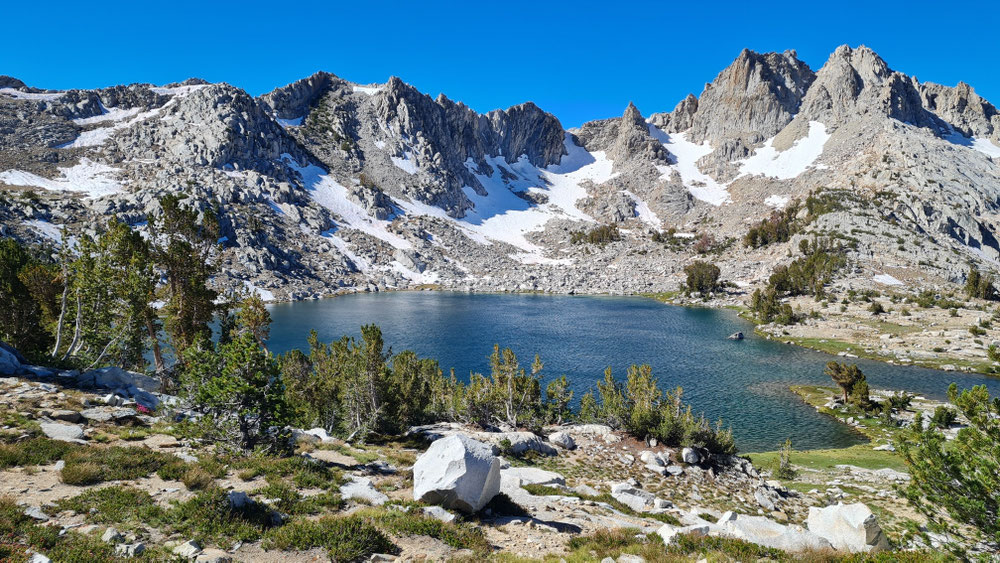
(963, 108)
(293, 101)
(754, 98)
(856, 82)
(11, 82)
(624, 139)
(678, 120)
(216, 125)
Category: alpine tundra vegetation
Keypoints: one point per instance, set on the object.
(144, 231)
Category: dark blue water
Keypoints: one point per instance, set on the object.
(745, 383)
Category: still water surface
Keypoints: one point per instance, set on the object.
(745, 382)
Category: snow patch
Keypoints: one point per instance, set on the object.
(178, 90)
(120, 119)
(46, 229)
(777, 201)
(341, 246)
(643, 212)
(330, 194)
(290, 122)
(980, 144)
(264, 294)
(789, 163)
(886, 279)
(92, 178)
(380, 145)
(406, 163)
(370, 90)
(684, 159)
(19, 95)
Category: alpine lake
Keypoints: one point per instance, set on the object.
(745, 382)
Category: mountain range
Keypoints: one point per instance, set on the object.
(324, 186)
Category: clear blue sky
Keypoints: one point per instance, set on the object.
(579, 60)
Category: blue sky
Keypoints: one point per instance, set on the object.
(579, 60)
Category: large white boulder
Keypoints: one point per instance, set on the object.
(848, 527)
(768, 533)
(457, 472)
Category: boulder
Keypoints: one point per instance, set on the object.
(690, 456)
(768, 533)
(10, 362)
(669, 532)
(112, 535)
(633, 497)
(439, 513)
(188, 550)
(117, 378)
(361, 488)
(848, 527)
(62, 432)
(457, 472)
(520, 443)
(36, 513)
(563, 440)
(520, 476)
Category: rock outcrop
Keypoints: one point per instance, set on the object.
(848, 527)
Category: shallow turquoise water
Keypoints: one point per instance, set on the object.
(743, 382)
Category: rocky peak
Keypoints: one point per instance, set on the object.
(293, 101)
(754, 97)
(963, 108)
(857, 82)
(633, 140)
(216, 126)
(11, 82)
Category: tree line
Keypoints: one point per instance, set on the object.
(91, 304)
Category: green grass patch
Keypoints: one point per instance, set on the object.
(415, 523)
(210, 518)
(114, 505)
(34, 451)
(345, 538)
(91, 465)
(861, 456)
(19, 533)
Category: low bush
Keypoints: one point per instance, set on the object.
(33, 451)
(87, 466)
(113, 505)
(210, 518)
(345, 538)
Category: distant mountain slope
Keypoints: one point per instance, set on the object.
(324, 185)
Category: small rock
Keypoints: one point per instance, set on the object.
(439, 513)
(130, 549)
(62, 432)
(111, 535)
(188, 549)
(361, 488)
(690, 456)
(36, 513)
(563, 440)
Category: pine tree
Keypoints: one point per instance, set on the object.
(184, 240)
(558, 396)
(849, 377)
(956, 485)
